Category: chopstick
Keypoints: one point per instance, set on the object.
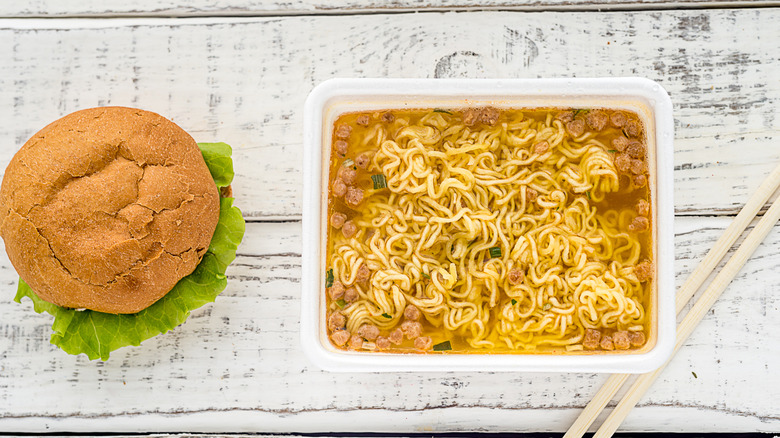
(726, 241)
(686, 291)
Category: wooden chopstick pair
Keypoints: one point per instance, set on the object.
(697, 312)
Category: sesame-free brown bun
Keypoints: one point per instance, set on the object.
(107, 208)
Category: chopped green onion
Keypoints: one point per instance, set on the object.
(329, 278)
(348, 162)
(387, 316)
(577, 112)
(444, 346)
(439, 110)
(588, 193)
(495, 252)
(547, 306)
(612, 151)
(341, 303)
(426, 276)
(380, 182)
(514, 301)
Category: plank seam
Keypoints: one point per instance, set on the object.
(536, 7)
(723, 409)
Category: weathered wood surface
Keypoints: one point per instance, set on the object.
(244, 81)
(237, 366)
(180, 8)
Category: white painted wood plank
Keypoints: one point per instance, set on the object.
(244, 81)
(432, 420)
(180, 8)
(237, 366)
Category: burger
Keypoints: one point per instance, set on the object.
(119, 225)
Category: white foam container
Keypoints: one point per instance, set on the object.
(337, 96)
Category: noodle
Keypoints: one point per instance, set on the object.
(468, 209)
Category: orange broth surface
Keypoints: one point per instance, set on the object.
(633, 190)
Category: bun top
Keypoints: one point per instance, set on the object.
(107, 208)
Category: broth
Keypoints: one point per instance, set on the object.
(486, 230)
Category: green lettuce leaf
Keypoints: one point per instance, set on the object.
(217, 157)
(97, 334)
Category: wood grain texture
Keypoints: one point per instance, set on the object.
(237, 366)
(180, 8)
(244, 81)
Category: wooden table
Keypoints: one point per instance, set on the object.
(239, 70)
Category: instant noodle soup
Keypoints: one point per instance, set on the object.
(486, 230)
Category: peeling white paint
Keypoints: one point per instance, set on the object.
(236, 365)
